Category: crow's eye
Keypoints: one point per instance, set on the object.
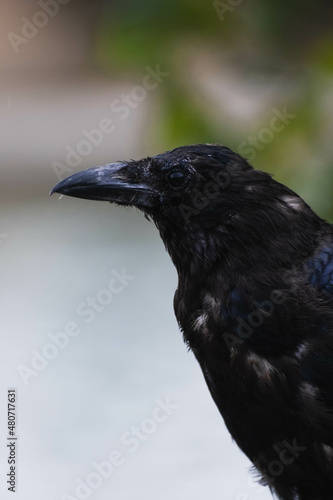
(176, 179)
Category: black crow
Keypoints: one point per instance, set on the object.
(254, 300)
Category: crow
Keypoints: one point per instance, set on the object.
(254, 300)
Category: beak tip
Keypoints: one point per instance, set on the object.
(57, 188)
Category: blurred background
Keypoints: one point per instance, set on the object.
(109, 402)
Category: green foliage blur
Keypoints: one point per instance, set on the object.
(231, 65)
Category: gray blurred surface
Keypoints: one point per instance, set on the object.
(58, 252)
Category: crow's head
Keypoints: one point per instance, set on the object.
(201, 197)
(185, 185)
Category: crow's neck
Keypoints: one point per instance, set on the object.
(232, 267)
(243, 244)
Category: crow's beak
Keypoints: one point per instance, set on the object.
(109, 183)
